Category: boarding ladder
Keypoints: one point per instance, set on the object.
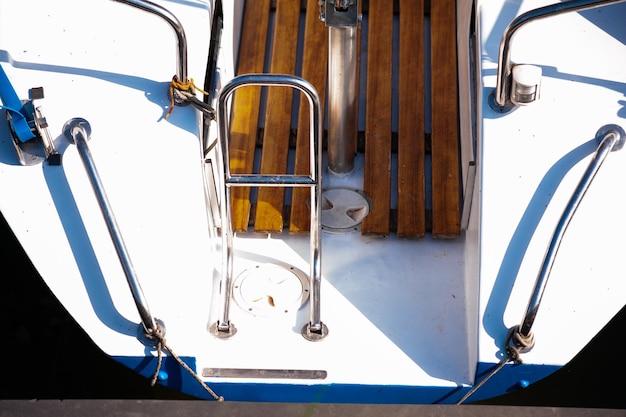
(255, 132)
(315, 329)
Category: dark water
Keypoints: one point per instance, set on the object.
(45, 354)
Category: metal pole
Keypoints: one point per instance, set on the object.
(342, 100)
(341, 18)
(78, 132)
(610, 138)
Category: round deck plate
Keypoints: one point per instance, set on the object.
(343, 209)
(271, 290)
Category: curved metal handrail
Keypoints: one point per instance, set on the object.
(501, 94)
(78, 131)
(315, 329)
(520, 338)
(610, 138)
(166, 15)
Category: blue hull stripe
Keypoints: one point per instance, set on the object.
(510, 378)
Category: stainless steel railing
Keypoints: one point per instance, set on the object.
(610, 138)
(520, 339)
(315, 329)
(78, 132)
(501, 96)
(166, 15)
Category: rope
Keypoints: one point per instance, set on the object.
(184, 92)
(515, 344)
(161, 344)
(518, 343)
(475, 388)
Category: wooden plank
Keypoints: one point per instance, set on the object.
(445, 131)
(314, 69)
(411, 166)
(377, 176)
(246, 104)
(274, 157)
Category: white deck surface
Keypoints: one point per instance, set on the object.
(396, 309)
(532, 160)
(399, 311)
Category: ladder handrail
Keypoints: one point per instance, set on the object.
(315, 329)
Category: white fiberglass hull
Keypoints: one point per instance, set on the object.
(410, 320)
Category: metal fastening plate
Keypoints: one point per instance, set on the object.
(341, 17)
(264, 373)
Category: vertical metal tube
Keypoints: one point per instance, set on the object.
(315, 325)
(342, 99)
(223, 327)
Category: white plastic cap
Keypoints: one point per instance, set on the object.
(525, 84)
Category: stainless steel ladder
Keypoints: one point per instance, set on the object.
(224, 328)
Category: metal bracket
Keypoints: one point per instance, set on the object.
(29, 152)
(41, 124)
(341, 13)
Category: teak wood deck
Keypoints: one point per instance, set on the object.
(274, 47)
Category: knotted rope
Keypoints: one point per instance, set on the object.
(158, 337)
(515, 344)
(184, 92)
